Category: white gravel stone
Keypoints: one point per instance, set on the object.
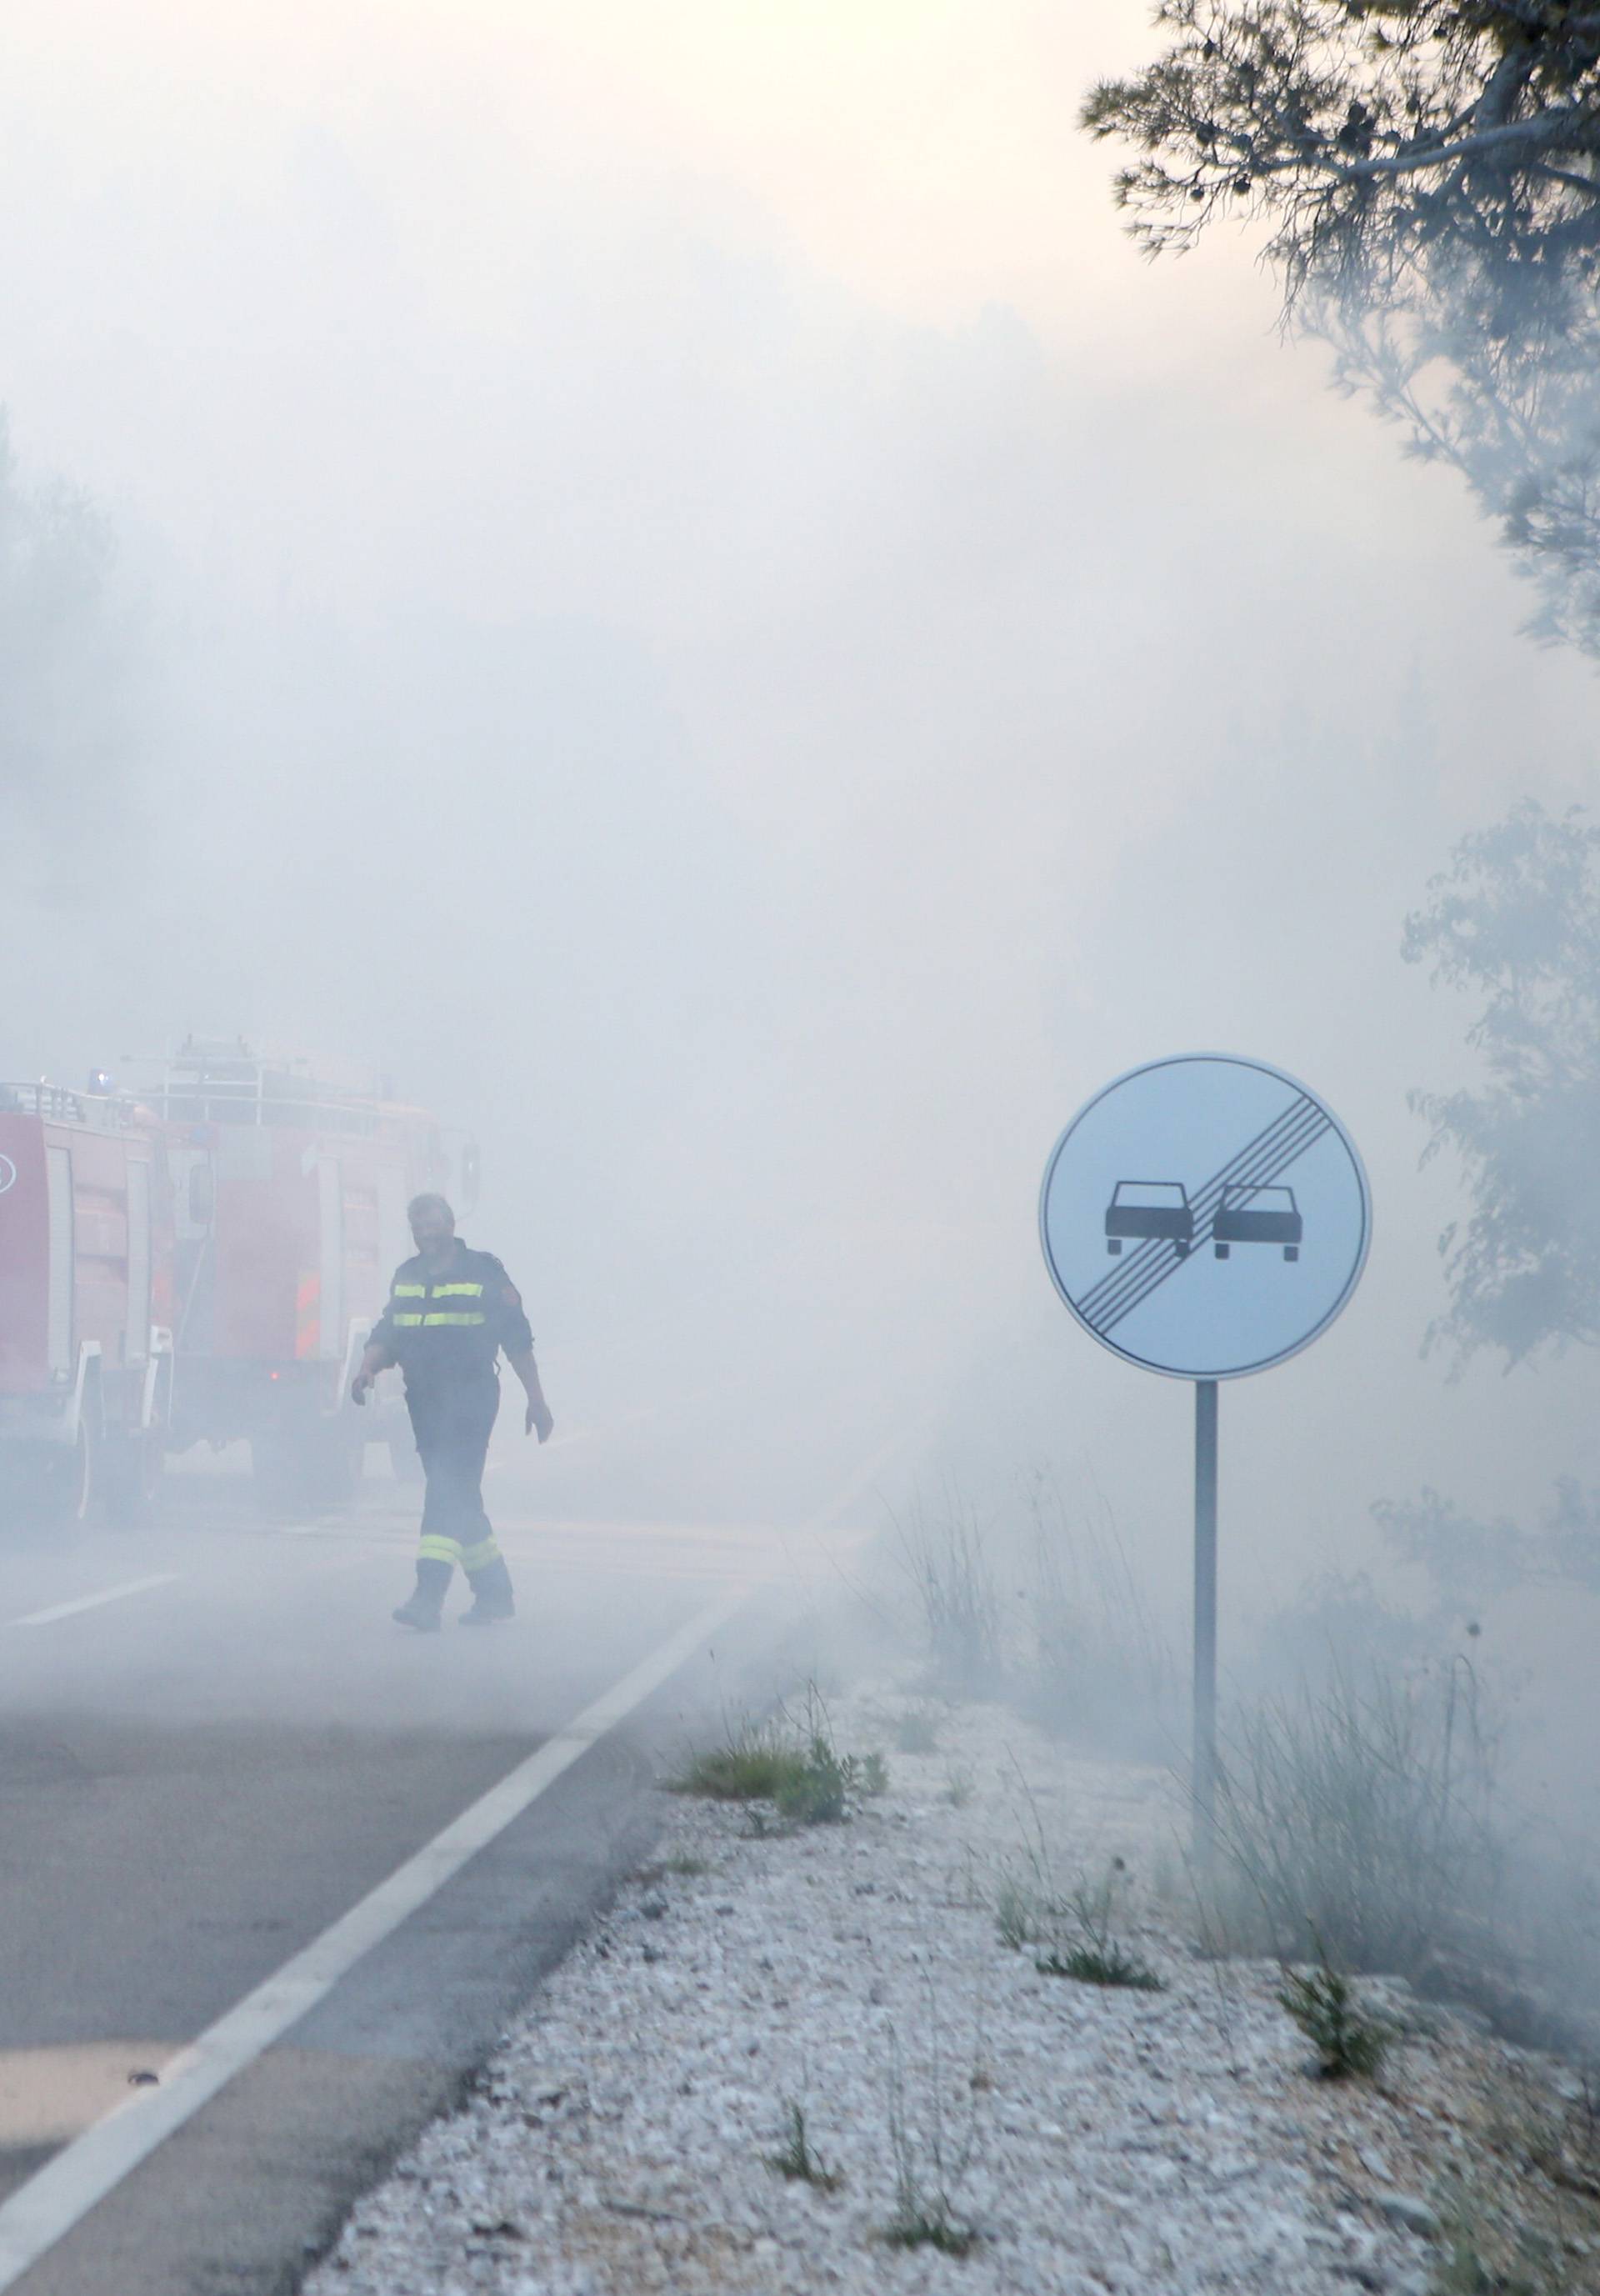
(1145, 2144)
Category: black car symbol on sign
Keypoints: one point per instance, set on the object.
(1248, 1215)
(1150, 1207)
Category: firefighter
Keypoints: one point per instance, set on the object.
(450, 1312)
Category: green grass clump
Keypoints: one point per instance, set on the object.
(1077, 1934)
(819, 1791)
(920, 2230)
(797, 1769)
(757, 1764)
(1101, 1964)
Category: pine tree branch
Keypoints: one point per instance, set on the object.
(1530, 135)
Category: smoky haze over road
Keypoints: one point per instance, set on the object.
(695, 602)
(686, 597)
(709, 615)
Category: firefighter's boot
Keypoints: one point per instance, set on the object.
(424, 1610)
(491, 1594)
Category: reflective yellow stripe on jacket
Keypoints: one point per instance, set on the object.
(455, 1317)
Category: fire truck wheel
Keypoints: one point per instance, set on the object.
(71, 1480)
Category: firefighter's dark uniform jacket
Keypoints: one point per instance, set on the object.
(446, 1327)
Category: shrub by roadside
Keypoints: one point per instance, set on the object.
(1119, 2140)
(790, 1762)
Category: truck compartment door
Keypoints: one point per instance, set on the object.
(58, 1327)
(136, 1339)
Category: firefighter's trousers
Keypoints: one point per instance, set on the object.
(452, 1422)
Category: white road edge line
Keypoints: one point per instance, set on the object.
(93, 1602)
(44, 2209)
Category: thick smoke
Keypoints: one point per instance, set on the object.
(753, 657)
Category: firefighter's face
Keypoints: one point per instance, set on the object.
(431, 1226)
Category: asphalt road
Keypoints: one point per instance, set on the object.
(213, 1743)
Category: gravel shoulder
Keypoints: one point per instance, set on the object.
(1091, 2138)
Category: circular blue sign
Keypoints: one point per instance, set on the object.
(1206, 1216)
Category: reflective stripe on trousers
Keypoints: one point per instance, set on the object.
(452, 1423)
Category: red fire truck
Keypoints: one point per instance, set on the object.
(86, 1300)
(201, 1261)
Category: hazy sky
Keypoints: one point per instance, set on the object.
(716, 616)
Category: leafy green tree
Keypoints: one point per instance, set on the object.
(1470, 1560)
(1515, 923)
(1429, 176)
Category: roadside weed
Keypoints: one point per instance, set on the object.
(1322, 2003)
(1109, 1965)
(944, 1552)
(790, 1761)
(755, 1762)
(795, 2159)
(818, 1792)
(1358, 1812)
(1080, 1940)
(1017, 1920)
(932, 2158)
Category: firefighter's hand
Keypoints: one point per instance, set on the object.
(539, 1417)
(359, 1386)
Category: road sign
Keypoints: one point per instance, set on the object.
(8, 1174)
(1205, 1217)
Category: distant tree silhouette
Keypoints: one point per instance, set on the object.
(73, 691)
(1515, 923)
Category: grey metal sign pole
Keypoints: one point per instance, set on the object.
(1204, 1756)
(1205, 1217)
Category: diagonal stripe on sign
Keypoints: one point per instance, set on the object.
(1161, 1253)
(1259, 1173)
(1257, 1164)
(1257, 1170)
